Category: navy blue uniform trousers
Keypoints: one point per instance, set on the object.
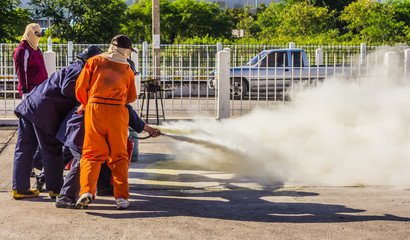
(28, 138)
(71, 185)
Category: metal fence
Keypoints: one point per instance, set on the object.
(185, 73)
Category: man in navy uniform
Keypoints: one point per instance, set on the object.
(40, 115)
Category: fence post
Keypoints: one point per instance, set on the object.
(144, 58)
(1, 60)
(223, 68)
(319, 57)
(50, 58)
(406, 62)
(362, 53)
(218, 47)
(134, 58)
(291, 45)
(391, 62)
(70, 49)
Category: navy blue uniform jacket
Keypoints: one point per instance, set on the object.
(71, 132)
(48, 104)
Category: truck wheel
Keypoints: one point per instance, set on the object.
(239, 88)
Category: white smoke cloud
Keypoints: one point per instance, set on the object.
(338, 133)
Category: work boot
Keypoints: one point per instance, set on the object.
(53, 195)
(39, 183)
(84, 200)
(65, 201)
(29, 193)
(122, 203)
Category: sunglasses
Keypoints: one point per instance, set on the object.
(37, 34)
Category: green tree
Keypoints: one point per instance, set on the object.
(52, 10)
(180, 19)
(139, 22)
(330, 4)
(47, 9)
(269, 19)
(96, 21)
(192, 18)
(243, 18)
(291, 20)
(303, 19)
(374, 22)
(13, 20)
(402, 14)
(83, 21)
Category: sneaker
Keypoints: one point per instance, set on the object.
(122, 203)
(53, 195)
(65, 201)
(39, 183)
(84, 200)
(20, 194)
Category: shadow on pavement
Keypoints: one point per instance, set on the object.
(230, 202)
(241, 205)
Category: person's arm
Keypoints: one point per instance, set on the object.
(135, 122)
(153, 132)
(83, 85)
(21, 62)
(138, 125)
(132, 90)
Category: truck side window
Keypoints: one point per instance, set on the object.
(281, 59)
(297, 59)
(271, 60)
(263, 63)
(263, 57)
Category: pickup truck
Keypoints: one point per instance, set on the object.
(276, 70)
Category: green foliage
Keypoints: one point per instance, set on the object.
(243, 18)
(198, 22)
(83, 21)
(139, 22)
(296, 22)
(13, 20)
(182, 19)
(402, 14)
(373, 21)
(97, 21)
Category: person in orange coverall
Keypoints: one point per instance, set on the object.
(103, 88)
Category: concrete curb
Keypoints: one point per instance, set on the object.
(9, 121)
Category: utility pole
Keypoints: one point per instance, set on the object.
(156, 41)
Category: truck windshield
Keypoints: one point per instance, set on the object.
(256, 59)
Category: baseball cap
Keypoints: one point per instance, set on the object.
(123, 41)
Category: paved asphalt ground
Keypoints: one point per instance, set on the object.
(169, 201)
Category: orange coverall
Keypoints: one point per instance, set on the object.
(103, 88)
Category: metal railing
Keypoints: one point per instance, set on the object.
(187, 69)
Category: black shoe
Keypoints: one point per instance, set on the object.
(105, 192)
(33, 173)
(65, 201)
(39, 183)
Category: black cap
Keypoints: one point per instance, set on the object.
(89, 52)
(123, 41)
